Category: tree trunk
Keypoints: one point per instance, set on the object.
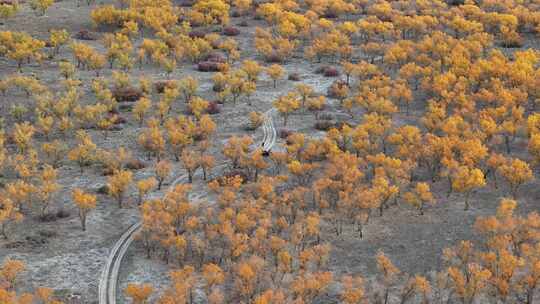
(507, 144)
(44, 209)
(3, 231)
(82, 216)
(530, 296)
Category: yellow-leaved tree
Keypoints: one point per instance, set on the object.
(516, 173)
(139, 293)
(86, 202)
(85, 151)
(275, 71)
(466, 180)
(41, 6)
(118, 184)
(286, 105)
(419, 196)
(9, 214)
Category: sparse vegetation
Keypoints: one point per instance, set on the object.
(405, 171)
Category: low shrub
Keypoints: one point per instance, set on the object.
(215, 57)
(324, 125)
(208, 66)
(49, 233)
(120, 120)
(62, 213)
(231, 31)
(330, 15)
(213, 108)
(116, 128)
(327, 71)
(107, 171)
(274, 58)
(218, 88)
(35, 241)
(128, 94)
(125, 107)
(455, 2)
(326, 116)
(198, 137)
(294, 77)
(135, 164)
(51, 217)
(331, 72)
(285, 133)
(196, 34)
(186, 3)
(85, 35)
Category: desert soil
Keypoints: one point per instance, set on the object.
(59, 255)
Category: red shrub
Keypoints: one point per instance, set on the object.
(213, 108)
(208, 66)
(274, 58)
(129, 94)
(231, 31)
(85, 35)
(327, 71)
(215, 57)
(135, 164)
(294, 77)
(331, 72)
(330, 15)
(196, 34)
(186, 3)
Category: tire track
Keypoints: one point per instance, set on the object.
(109, 277)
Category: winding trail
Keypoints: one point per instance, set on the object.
(270, 133)
(109, 276)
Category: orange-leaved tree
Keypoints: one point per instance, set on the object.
(86, 202)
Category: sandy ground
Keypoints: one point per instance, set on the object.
(71, 260)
